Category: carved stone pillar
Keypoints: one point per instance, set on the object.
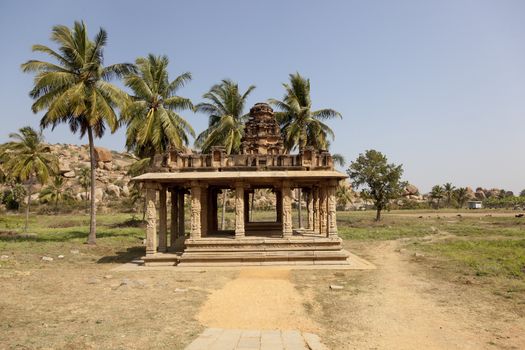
(332, 219)
(239, 210)
(163, 221)
(323, 215)
(151, 219)
(204, 210)
(195, 231)
(287, 209)
(309, 209)
(182, 229)
(174, 223)
(315, 200)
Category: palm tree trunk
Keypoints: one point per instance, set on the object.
(29, 192)
(223, 218)
(92, 237)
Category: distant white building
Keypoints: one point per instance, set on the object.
(475, 204)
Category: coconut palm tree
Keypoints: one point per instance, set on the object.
(27, 158)
(448, 190)
(75, 90)
(153, 124)
(55, 192)
(437, 192)
(339, 159)
(461, 196)
(225, 109)
(300, 125)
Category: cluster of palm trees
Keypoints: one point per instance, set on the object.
(450, 193)
(76, 90)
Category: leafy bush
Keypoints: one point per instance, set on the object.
(14, 196)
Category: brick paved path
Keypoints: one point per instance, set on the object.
(237, 339)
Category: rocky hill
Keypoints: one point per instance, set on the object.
(111, 176)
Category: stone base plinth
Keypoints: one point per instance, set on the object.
(304, 250)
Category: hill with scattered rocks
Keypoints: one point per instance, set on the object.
(111, 176)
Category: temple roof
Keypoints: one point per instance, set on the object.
(242, 175)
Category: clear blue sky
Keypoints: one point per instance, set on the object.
(436, 85)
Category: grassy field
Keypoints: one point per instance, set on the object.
(49, 303)
(485, 248)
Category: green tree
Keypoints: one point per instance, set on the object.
(28, 159)
(55, 192)
(153, 124)
(14, 195)
(300, 125)
(437, 193)
(381, 181)
(448, 190)
(522, 193)
(344, 195)
(461, 196)
(75, 90)
(226, 117)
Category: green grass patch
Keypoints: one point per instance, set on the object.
(361, 226)
(486, 226)
(496, 258)
(118, 239)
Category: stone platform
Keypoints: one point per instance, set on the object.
(237, 339)
(255, 250)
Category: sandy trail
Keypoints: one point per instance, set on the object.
(403, 311)
(397, 308)
(257, 299)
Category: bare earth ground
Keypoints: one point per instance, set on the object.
(63, 308)
(398, 307)
(257, 299)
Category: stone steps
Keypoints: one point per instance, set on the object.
(229, 251)
(263, 251)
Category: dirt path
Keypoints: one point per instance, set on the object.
(396, 307)
(402, 310)
(257, 299)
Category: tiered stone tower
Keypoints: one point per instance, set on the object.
(262, 134)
